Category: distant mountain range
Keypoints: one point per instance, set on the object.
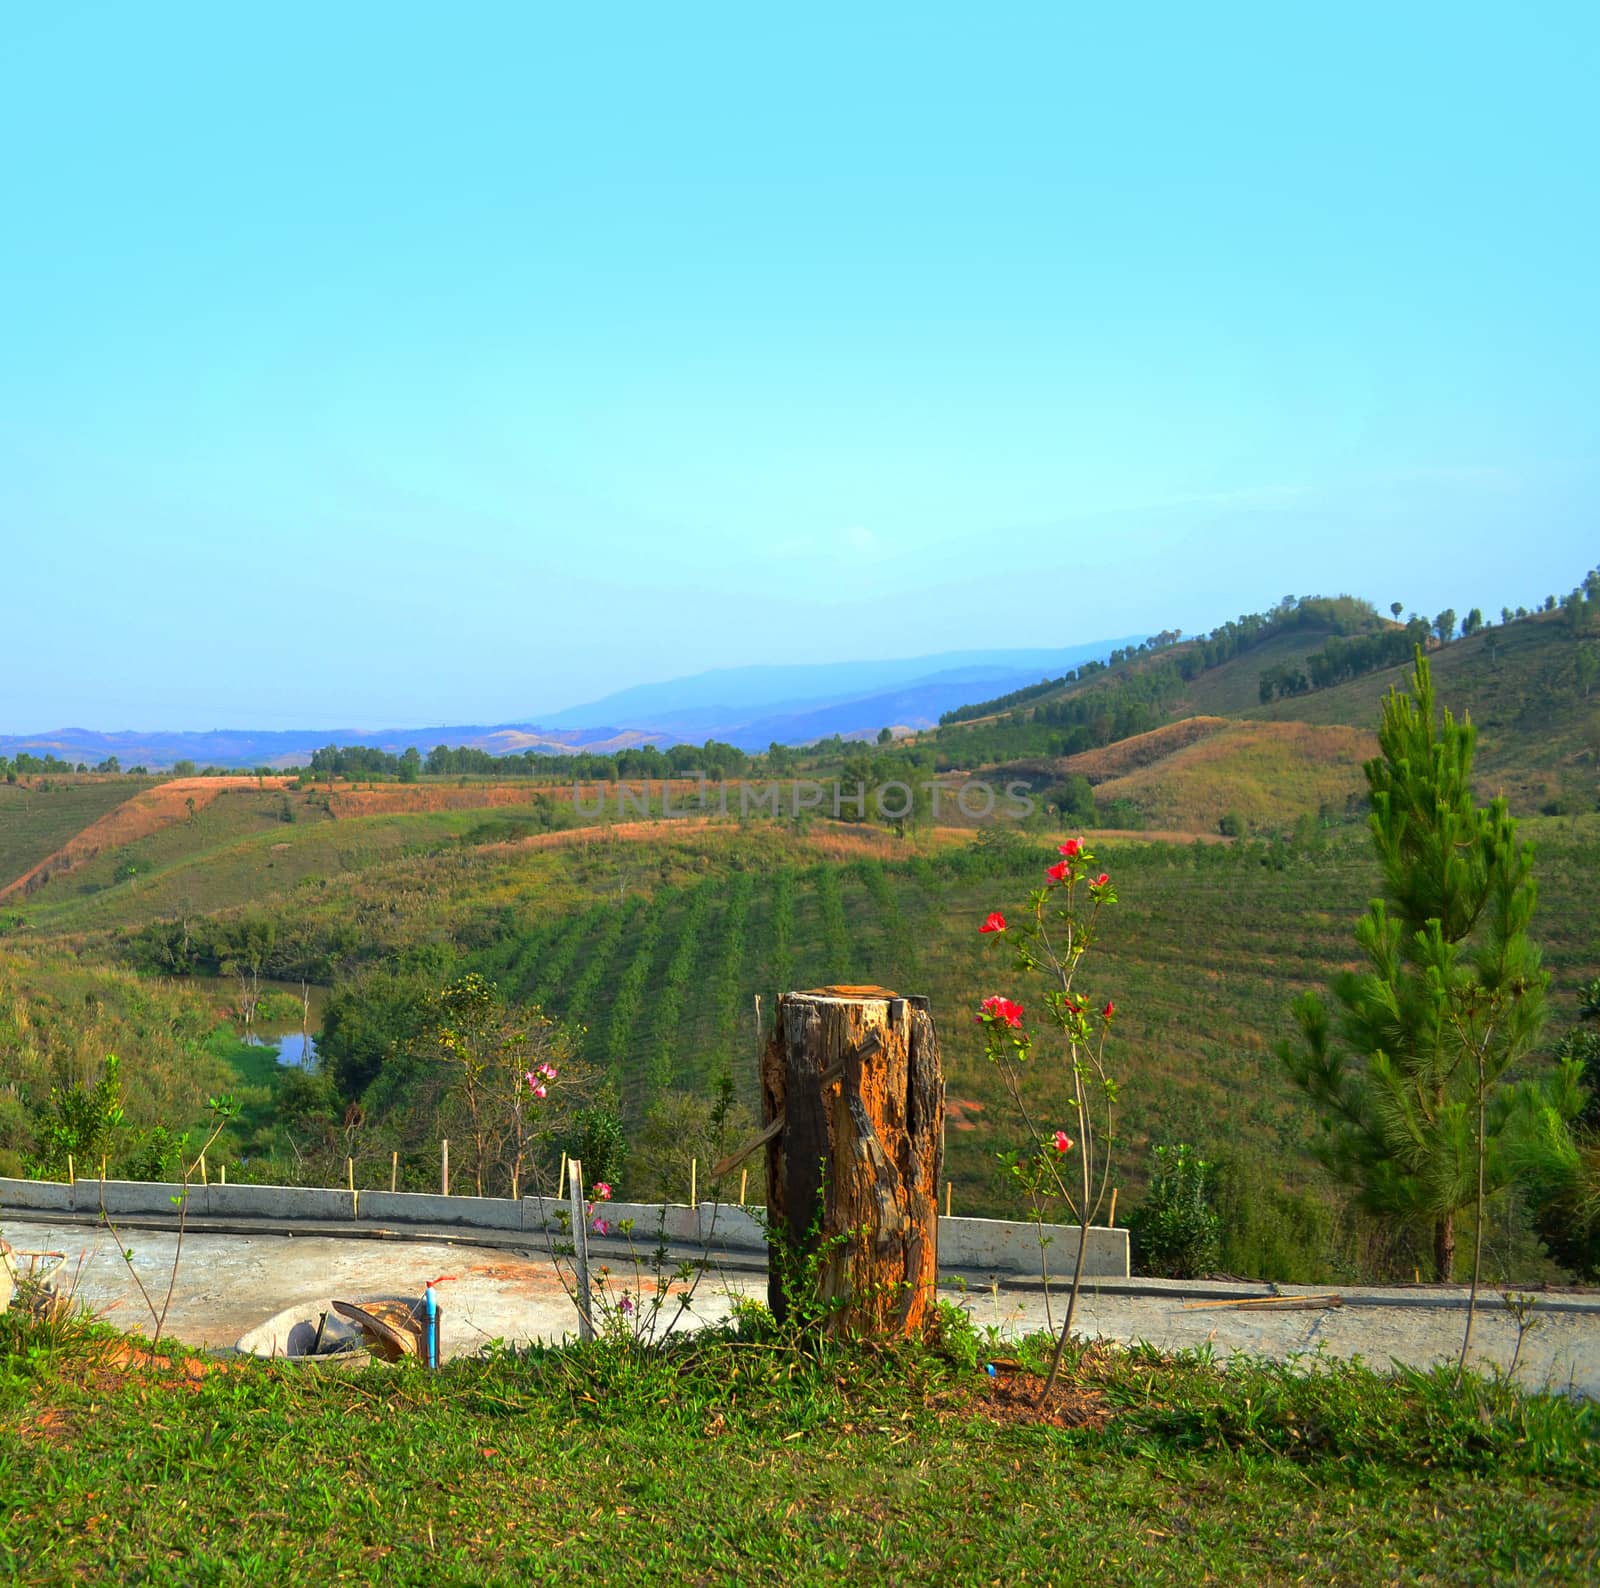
(751, 707)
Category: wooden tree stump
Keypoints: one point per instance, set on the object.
(853, 1073)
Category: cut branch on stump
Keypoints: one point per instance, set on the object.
(853, 1075)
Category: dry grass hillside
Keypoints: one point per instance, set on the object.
(1269, 773)
(1143, 749)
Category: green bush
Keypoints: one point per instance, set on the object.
(1267, 1232)
(599, 1142)
(1175, 1229)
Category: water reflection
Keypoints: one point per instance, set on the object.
(293, 1047)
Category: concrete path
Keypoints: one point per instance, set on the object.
(231, 1282)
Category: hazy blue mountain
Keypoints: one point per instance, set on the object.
(726, 691)
(748, 706)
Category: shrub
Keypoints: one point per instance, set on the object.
(1175, 1229)
(1231, 825)
(598, 1141)
(1266, 1231)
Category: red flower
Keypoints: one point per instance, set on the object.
(1060, 871)
(1063, 1141)
(1072, 848)
(998, 1008)
(995, 923)
(1109, 1010)
(1102, 879)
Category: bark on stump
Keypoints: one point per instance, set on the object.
(853, 1177)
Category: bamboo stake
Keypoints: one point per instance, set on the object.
(1111, 1218)
(744, 1180)
(350, 1175)
(694, 1165)
(72, 1179)
(394, 1169)
(205, 1179)
(102, 1169)
(580, 1247)
(444, 1167)
(947, 1199)
(222, 1174)
(561, 1179)
(1266, 1303)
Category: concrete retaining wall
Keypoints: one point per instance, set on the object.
(1010, 1246)
(134, 1196)
(679, 1221)
(36, 1196)
(312, 1203)
(998, 1246)
(415, 1207)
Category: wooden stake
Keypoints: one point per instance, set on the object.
(694, 1165)
(1111, 1218)
(580, 1247)
(350, 1175)
(561, 1179)
(444, 1167)
(72, 1179)
(947, 1199)
(394, 1169)
(744, 1181)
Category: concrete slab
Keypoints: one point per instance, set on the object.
(230, 1283)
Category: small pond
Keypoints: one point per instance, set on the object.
(294, 1047)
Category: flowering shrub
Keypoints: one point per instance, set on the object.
(1060, 927)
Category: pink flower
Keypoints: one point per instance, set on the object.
(602, 1190)
(601, 1227)
(1060, 871)
(1072, 848)
(535, 1085)
(998, 1008)
(996, 922)
(1063, 1141)
(625, 1306)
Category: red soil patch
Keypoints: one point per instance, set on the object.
(136, 817)
(1013, 1398)
(956, 1110)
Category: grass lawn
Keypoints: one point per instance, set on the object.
(746, 1460)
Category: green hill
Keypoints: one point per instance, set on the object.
(1530, 688)
(38, 815)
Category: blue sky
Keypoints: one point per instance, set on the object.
(384, 364)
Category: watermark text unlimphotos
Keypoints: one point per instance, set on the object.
(890, 801)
